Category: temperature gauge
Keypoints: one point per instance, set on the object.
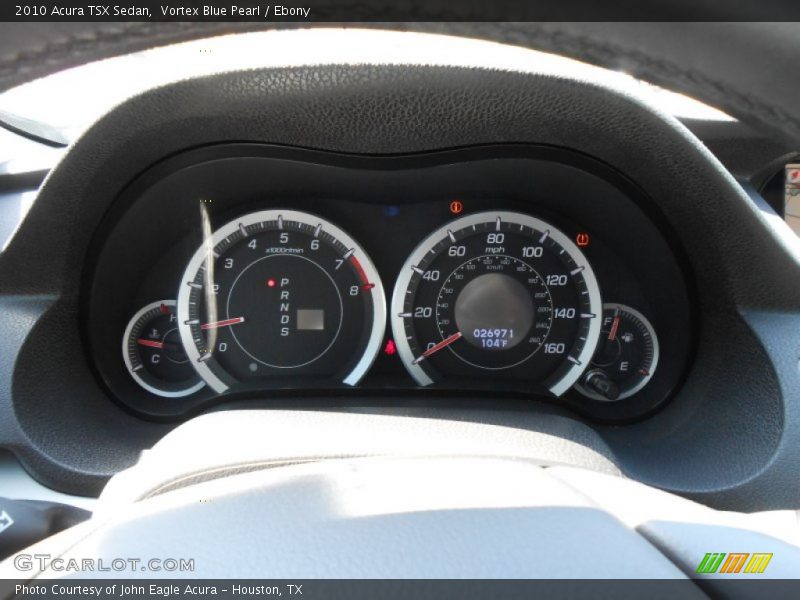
(154, 355)
(626, 355)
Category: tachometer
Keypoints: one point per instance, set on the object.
(499, 296)
(280, 294)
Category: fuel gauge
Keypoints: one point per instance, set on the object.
(626, 356)
(154, 355)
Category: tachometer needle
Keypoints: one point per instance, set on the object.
(150, 343)
(225, 323)
(434, 349)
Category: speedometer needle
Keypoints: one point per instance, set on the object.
(434, 349)
(225, 323)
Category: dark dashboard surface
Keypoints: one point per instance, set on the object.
(388, 205)
(568, 186)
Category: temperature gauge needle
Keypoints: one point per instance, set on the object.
(225, 323)
(150, 343)
(434, 349)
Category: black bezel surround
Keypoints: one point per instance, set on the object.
(629, 249)
(730, 435)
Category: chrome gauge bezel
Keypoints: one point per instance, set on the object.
(651, 371)
(206, 250)
(129, 364)
(402, 285)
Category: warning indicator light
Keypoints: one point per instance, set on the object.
(271, 283)
(390, 349)
(456, 207)
(582, 239)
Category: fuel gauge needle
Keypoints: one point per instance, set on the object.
(434, 349)
(612, 335)
(225, 323)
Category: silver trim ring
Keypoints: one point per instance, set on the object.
(404, 279)
(125, 356)
(645, 380)
(199, 257)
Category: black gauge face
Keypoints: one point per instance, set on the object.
(154, 355)
(626, 357)
(499, 306)
(276, 295)
(497, 296)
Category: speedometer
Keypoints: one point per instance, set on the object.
(277, 295)
(498, 296)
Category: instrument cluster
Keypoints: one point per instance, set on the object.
(505, 273)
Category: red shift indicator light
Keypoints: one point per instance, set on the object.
(390, 349)
(271, 283)
(582, 239)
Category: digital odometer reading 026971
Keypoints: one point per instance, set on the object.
(497, 296)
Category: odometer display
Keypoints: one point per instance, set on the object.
(497, 296)
(276, 295)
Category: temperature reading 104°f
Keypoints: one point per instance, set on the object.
(493, 338)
